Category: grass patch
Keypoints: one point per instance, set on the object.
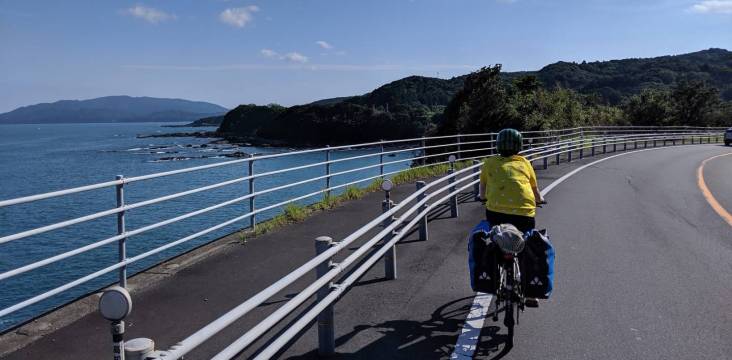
(296, 213)
(353, 192)
(293, 213)
(426, 172)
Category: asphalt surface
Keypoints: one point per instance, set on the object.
(644, 270)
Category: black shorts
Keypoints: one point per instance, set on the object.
(523, 223)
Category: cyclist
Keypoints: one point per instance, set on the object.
(508, 184)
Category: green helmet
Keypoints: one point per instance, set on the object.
(509, 142)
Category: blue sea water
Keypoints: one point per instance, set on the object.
(41, 158)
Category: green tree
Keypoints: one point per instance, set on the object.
(484, 104)
(694, 102)
(652, 107)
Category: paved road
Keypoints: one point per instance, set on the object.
(644, 271)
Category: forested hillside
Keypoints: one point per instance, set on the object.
(689, 89)
(616, 80)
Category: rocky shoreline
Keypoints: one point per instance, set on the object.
(221, 138)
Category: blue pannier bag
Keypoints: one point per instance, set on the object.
(483, 258)
(537, 265)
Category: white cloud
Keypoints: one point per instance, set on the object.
(295, 57)
(713, 6)
(149, 14)
(238, 17)
(324, 44)
(268, 53)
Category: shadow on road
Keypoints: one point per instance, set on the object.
(431, 339)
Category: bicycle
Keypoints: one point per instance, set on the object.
(510, 292)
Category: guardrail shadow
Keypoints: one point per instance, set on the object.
(407, 339)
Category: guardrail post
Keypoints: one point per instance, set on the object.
(252, 205)
(122, 243)
(615, 146)
(654, 142)
(569, 153)
(326, 328)
(635, 144)
(592, 153)
(459, 150)
(390, 268)
(559, 150)
(582, 148)
(582, 143)
(625, 144)
(327, 171)
(381, 160)
(604, 146)
(476, 176)
(454, 198)
(546, 162)
(423, 233)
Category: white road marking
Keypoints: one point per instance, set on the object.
(468, 339)
(467, 342)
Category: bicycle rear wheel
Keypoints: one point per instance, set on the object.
(509, 322)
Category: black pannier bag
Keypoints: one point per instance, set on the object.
(537, 265)
(483, 259)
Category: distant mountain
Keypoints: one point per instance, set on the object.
(112, 109)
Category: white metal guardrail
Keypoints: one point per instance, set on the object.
(545, 146)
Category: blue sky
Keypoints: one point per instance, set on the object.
(297, 51)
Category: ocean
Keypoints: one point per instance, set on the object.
(41, 158)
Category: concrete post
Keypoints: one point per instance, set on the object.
(453, 199)
(423, 233)
(140, 349)
(390, 268)
(476, 176)
(326, 327)
(122, 243)
(252, 205)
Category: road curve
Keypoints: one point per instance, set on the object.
(644, 271)
(644, 263)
